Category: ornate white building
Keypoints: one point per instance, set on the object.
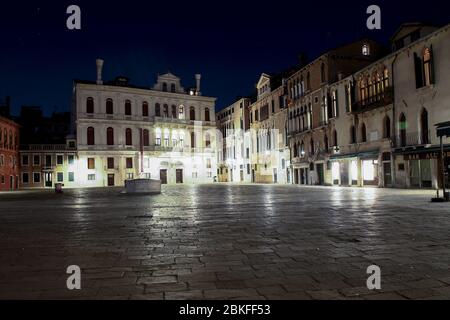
(124, 132)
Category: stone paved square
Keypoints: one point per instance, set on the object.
(225, 242)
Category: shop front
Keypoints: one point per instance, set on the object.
(424, 167)
(355, 169)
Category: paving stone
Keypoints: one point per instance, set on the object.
(311, 243)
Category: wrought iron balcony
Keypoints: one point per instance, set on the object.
(381, 99)
(410, 139)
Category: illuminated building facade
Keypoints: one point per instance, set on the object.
(125, 132)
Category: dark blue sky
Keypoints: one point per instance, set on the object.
(229, 42)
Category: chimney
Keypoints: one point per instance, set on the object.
(198, 77)
(99, 63)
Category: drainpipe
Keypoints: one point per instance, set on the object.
(394, 176)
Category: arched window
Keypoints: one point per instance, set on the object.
(128, 108)
(145, 109)
(109, 106)
(172, 87)
(157, 110)
(207, 116)
(387, 128)
(146, 138)
(362, 91)
(326, 143)
(192, 140)
(308, 81)
(164, 87)
(110, 136)
(302, 149)
(427, 70)
(386, 78)
(335, 138)
(157, 136)
(424, 129)
(207, 140)
(166, 137)
(174, 112)
(166, 111)
(11, 145)
(181, 138)
(174, 138)
(366, 50)
(192, 113)
(402, 128)
(295, 150)
(90, 105)
(181, 112)
(352, 135)
(363, 133)
(322, 73)
(128, 137)
(90, 136)
(311, 147)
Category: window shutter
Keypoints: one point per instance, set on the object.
(432, 65)
(418, 71)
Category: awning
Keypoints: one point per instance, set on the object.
(372, 154)
(420, 150)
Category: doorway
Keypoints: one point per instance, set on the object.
(111, 180)
(163, 176)
(48, 179)
(11, 183)
(420, 174)
(179, 175)
(320, 174)
(387, 174)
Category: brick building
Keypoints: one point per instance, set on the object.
(9, 155)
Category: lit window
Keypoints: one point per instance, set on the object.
(158, 137)
(366, 50)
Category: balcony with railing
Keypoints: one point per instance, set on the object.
(381, 99)
(409, 139)
(46, 147)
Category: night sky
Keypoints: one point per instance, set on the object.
(229, 42)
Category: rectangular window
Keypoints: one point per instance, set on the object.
(129, 163)
(147, 175)
(208, 163)
(25, 177)
(60, 177)
(25, 160)
(36, 177)
(3, 179)
(194, 175)
(91, 163)
(209, 174)
(110, 163)
(130, 176)
(71, 177)
(71, 159)
(264, 112)
(59, 160)
(36, 160)
(91, 177)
